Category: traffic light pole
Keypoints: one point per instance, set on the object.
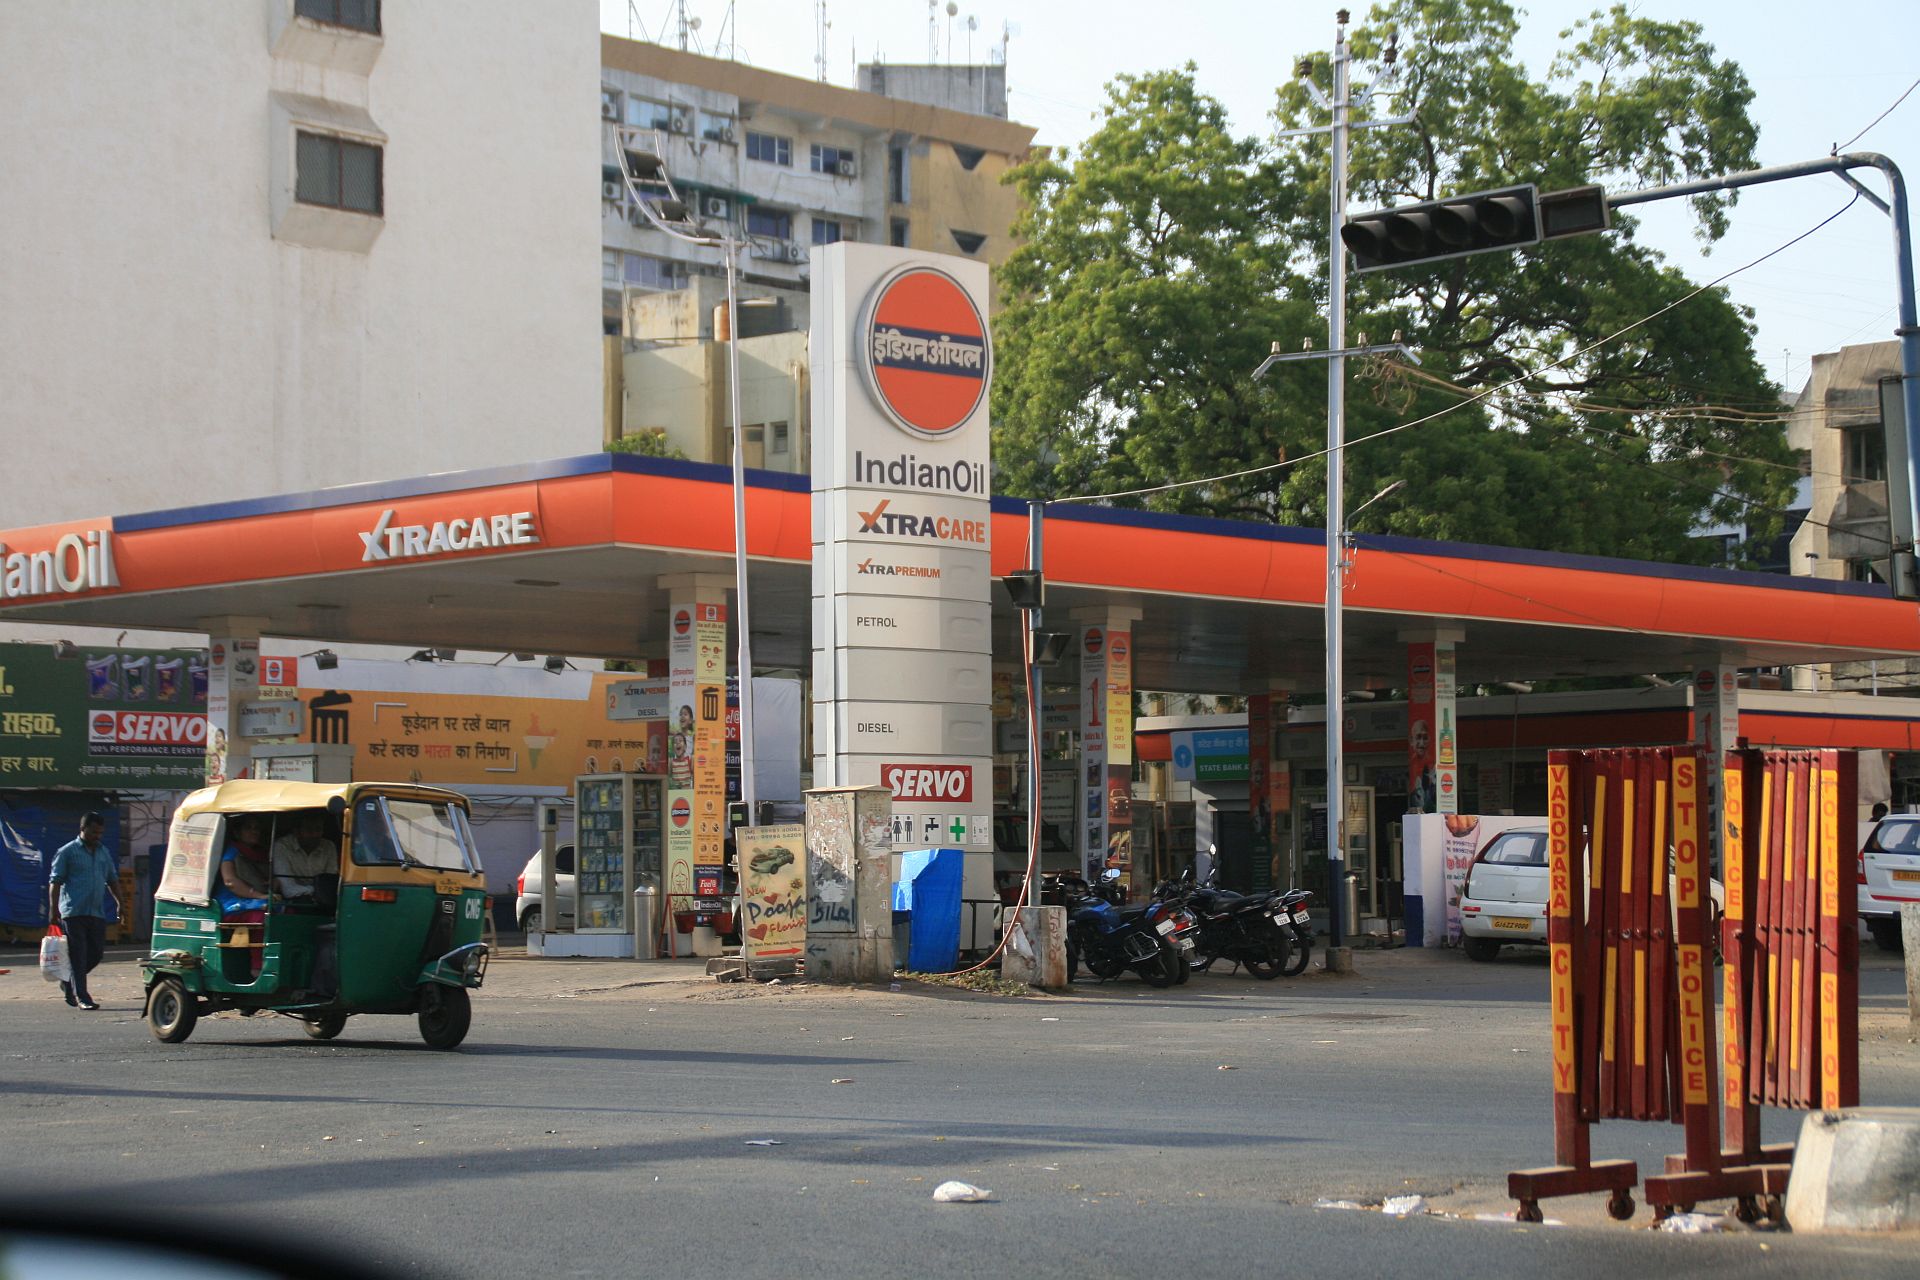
(1904, 508)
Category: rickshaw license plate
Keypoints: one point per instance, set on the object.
(449, 886)
(1512, 922)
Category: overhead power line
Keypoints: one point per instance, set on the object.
(1838, 147)
(1477, 396)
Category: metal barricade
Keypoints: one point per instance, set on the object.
(1630, 941)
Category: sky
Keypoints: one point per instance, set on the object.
(1817, 82)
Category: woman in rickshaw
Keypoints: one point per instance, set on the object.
(244, 878)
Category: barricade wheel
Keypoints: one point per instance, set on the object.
(1747, 1209)
(1661, 1212)
(1620, 1206)
(1776, 1211)
(1528, 1211)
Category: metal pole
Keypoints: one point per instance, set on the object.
(744, 660)
(1036, 701)
(1336, 476)
(1896, 209)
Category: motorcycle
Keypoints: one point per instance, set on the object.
(1267, 934)
(1110, 938)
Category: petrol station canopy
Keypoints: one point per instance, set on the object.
(566, 557)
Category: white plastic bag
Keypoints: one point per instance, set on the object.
(960, 1193)
(54, 964)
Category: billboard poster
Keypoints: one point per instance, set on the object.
(710, 747)
(773, 890)
(1457, 847)
(682, 694)
(105, 718)
(1446, 748)
(1421, 782)
(1259, 798)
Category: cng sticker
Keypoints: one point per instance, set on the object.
(926, 352)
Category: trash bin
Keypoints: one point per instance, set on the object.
(646, 931)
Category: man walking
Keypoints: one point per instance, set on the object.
(78, 888)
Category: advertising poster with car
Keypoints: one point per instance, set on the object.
(773, 891)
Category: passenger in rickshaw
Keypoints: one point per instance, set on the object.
(304, 858)
(244, 879)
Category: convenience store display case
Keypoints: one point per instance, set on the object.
(617, 846)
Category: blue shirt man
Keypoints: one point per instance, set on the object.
(78, 886)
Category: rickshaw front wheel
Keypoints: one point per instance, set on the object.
(445, 1015)
(170, 1012)
(326, 1026)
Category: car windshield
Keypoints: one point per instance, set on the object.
(423, 833)
(1898, 837)
(1517, 849)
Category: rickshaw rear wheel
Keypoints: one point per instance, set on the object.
(445, 1015)
(326, 1026)
(170, 1012)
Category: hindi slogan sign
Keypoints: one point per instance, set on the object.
(773, 890)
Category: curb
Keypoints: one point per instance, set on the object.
(1857, 1170)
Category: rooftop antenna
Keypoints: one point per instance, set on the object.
(953, 8)
(933, 31)
(820, 24)
(973, 25)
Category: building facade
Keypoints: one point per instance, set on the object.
(324, 247)
(787, 164)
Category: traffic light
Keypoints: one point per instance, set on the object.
(1482, 222)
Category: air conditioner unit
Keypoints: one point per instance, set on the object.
(728, 136)
(610, 191)
(714, 206)
(796, 253)
(608, 111)
(845, 167)
(681, 122)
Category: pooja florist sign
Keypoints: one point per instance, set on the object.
(773, 891)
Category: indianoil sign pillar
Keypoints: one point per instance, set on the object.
(902, 638)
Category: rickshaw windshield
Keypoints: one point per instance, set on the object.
(421, 833)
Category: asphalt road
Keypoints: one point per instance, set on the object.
(592, 1128)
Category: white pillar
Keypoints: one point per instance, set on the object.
(696, 734)
(1105, 645)
(233, 682)
(1433, 729)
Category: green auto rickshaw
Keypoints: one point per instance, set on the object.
(318, 902)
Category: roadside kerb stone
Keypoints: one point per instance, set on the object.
(1857, 1170)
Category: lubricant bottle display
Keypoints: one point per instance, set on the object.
(617, 841)
(1446, 759)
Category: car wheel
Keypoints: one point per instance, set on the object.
(170, 1012)
(1481, 948)
(1886, 934)
(530, 920)
(445, 1015)
(326, 1026)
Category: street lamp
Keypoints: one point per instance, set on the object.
(669, 213)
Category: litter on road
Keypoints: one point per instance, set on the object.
(765, 1142)
(960, 1193)
(1403, 1206)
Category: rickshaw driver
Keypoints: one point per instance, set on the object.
(300, 859)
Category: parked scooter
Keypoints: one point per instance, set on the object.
(1109, 939)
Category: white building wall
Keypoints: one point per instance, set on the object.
(160, 347)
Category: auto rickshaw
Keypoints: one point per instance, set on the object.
(393, 927)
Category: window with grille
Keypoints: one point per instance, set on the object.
(826, 231)
(1866, 454)
(358, 15)
(337, 174)
(644, 113)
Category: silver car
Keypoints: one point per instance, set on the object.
(1889, 876)
(528, 909)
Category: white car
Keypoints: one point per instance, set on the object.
(528, 908)
(1505, 897)
(1889, 876)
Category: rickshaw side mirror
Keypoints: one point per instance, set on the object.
(336, 805)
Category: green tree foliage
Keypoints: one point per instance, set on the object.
(1161, 261)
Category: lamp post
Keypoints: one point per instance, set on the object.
(681, 228)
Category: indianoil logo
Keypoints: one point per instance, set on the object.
(926, 352)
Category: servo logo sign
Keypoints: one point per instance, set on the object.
(926, 352)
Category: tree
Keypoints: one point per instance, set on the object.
(1109, 380)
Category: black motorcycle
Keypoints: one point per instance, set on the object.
(1256, 932)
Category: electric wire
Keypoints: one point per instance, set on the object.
(1838, 147)
(1478, 396)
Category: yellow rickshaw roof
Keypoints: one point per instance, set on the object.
(252, 795)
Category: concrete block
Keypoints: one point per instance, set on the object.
(1857, 1170)
(1036, 954)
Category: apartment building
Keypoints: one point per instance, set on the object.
(789, 163)
(263, 246)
